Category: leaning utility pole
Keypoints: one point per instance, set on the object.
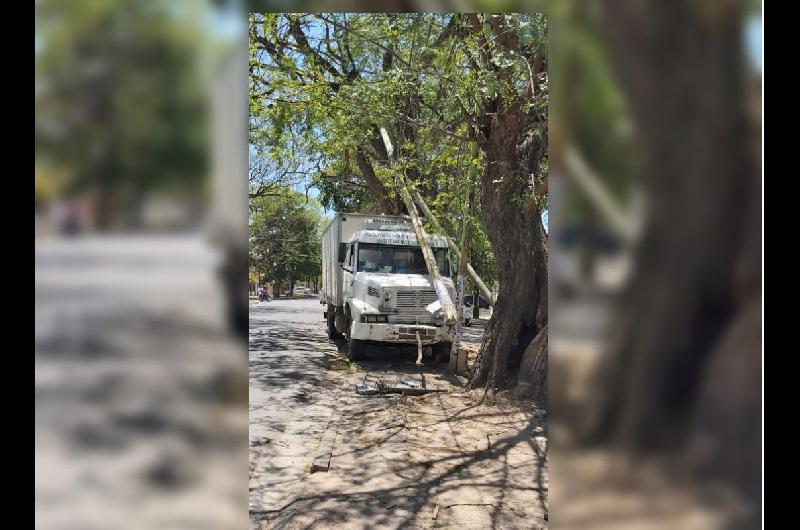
(450, 315)
(458, 358)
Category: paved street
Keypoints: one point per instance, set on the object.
(441, 460)
(290, 394)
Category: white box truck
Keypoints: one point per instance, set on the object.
(376, 286)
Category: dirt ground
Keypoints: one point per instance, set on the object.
(443, 460)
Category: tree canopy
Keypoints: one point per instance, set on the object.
(322, 86)
(358, 105)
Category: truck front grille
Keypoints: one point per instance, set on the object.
(411, 333)
(425, 318)
(416, 298)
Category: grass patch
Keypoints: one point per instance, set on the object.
(342, 363)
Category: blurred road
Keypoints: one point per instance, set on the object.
(139, 389)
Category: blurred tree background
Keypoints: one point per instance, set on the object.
(121, 107)
(121, 115)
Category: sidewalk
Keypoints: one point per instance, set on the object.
(444, 460)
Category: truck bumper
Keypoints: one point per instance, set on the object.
(399, 333)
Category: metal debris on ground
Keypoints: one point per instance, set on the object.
(408, 387)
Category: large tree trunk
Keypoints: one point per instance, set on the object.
(514, 227)
(532, 380)
(103, 201)
(698, 265)
(510, 197)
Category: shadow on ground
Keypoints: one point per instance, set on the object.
(440, 460)
(401, 464)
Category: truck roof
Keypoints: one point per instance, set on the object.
(396, 237)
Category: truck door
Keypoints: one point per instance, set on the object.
(349, 271)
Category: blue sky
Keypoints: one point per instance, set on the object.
(754, 43)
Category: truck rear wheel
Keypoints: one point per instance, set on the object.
(332, 331)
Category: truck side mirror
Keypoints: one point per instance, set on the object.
(342, 252)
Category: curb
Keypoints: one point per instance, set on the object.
(322, 460)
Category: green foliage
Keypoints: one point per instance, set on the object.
(588, 106)
(322, 85)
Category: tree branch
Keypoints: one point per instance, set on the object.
(302, 41)
(374, 184)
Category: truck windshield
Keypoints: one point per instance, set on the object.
(399, 260)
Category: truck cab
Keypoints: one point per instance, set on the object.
(387, 294)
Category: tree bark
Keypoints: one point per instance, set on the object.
(514, 227)
(698, 265)
(103, 201)
(533, 370)
(511, 215)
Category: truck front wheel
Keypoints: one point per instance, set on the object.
(441, 351)
(355, 350)
(355, 347)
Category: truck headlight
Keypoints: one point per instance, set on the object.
(387, 296)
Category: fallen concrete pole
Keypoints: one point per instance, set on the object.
(593, 189)
(450, 315)
(470, 271)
